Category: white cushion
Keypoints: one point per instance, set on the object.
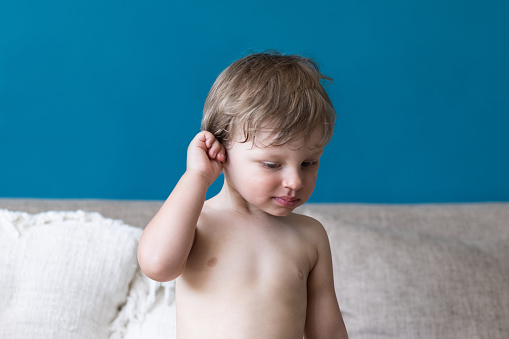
(63, 274)
(149, 312)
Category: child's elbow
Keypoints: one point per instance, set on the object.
(157, 269)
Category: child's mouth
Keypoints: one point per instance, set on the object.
(287, 201)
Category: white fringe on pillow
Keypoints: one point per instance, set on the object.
(143, 294)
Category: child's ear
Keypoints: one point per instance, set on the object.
(225, 155)
(226, 144)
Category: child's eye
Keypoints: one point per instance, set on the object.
(309, 163)
(271, 165)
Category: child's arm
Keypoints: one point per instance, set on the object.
(323, 319)
(168, 238)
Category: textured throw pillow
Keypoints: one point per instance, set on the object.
(149, 312)
(63, 274)
(395, 284)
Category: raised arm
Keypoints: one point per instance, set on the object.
(168, 238)
(323, 318)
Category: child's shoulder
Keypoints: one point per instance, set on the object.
(307, 220)
(310, 224)
(210, 214)
(314, 234)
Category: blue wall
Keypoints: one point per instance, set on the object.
(99, 99)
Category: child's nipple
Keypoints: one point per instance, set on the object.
(301, 275)
(212, 262)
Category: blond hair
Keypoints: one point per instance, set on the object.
(269, 90)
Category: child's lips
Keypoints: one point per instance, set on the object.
(287, 201)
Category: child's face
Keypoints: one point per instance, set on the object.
(274, 179)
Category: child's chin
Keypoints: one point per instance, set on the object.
(281, 212)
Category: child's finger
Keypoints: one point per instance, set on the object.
(215, 149)
(221, 156)
(209, 139)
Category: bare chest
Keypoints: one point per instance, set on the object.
(245, 282)
(230, 256)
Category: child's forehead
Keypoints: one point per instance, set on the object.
(265, 140)
(269, 138)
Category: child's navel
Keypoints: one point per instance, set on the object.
(212, 262)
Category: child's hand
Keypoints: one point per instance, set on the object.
(206, 156)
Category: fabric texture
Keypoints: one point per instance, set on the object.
(149, 312)
(63, 274)
(408, 274)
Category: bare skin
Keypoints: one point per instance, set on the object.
(247, 266)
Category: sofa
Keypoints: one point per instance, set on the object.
(68, 269)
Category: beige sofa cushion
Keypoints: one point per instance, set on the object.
(419, 280)
(63, 274)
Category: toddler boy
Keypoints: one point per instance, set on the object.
(246, 265)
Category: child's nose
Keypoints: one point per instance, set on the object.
(293, 180)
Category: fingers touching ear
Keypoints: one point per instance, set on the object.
(215, 149)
